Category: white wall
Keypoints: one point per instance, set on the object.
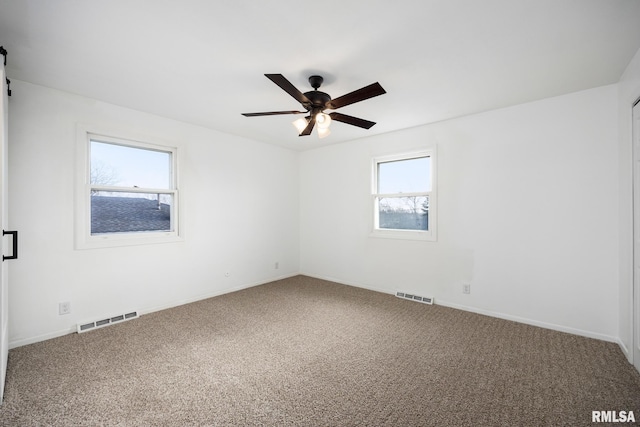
(239, 205)
(629, 92)
(528, 213)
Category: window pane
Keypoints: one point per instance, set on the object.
(404, 213)
(405, 176)
(113, 212)
(123, 166)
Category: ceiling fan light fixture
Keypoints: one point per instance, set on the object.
(300, 124)
(323, 120)
(323, 132)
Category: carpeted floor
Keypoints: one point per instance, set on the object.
(307, 352)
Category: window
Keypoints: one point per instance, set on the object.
(127, 192)
(404, 196)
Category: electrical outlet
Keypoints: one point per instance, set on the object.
(64, 308)
(276, 265)
(466, 288)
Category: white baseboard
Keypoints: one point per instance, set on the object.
(342, 282)
(532, 322)
(214, 294)
(43, 337)
(555, 327)
(73, 329)
(625, 350)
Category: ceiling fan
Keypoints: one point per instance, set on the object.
(315, 102)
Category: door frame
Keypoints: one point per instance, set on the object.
(4, 304)
(635, 285)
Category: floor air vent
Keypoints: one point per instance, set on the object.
(412, 297)
(88, 326)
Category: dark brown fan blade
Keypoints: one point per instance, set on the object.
(286, 85)
(309, 128)
(272, 113)
(352, 120)
(366, 92)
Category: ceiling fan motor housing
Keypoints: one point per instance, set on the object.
(318, 100)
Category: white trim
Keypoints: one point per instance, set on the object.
(73, 328)
(526, 321)
(43, 337)
(625, 350)
(214, 294)
(545, 325)
(83, 237)
(634, 351)
(404, 234)
(498, 315)
(429, 235)
(342, 282)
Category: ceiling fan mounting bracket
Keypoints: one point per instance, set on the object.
(315, 81)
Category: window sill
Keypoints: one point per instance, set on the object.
(112, 240)
(427, 236)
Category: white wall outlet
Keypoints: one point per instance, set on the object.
(276, 265)
(64, 308)
(466, 288)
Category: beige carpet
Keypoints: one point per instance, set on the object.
(308, 352)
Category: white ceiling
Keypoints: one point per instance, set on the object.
(202, 62)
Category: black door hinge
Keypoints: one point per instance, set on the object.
(3, 52)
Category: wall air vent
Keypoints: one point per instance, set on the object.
(88, 326)
(412, 297)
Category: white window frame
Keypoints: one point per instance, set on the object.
(428, 235)
(83, 237)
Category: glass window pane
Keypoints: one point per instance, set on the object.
(404, 213)
(123, 166)
(116, 212)
(405, 176)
